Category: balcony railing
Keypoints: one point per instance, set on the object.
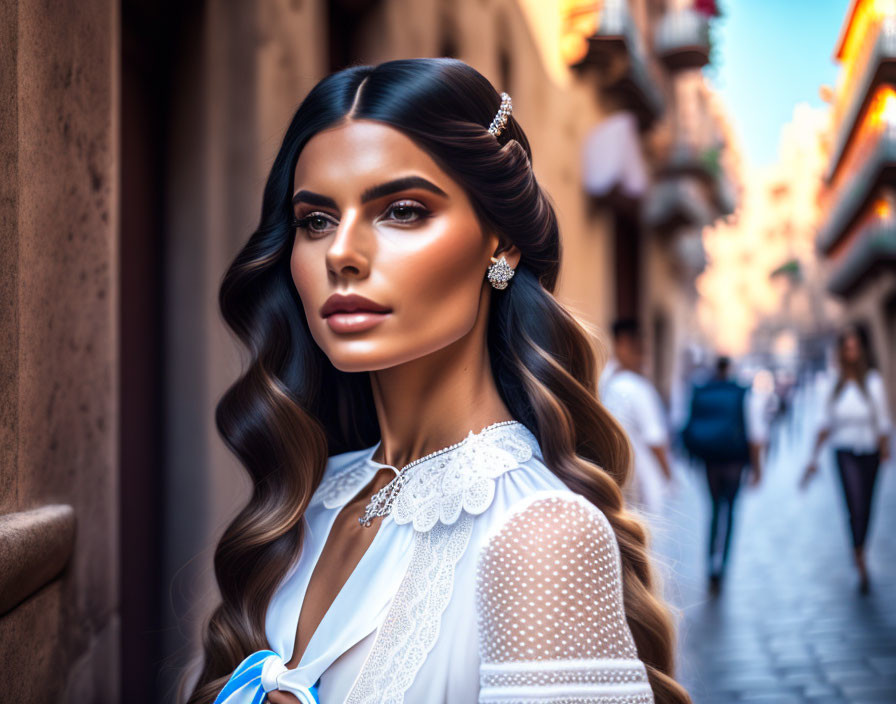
(872, 163)
(874, 65)
(682, 39)
(872, 248)
(675, 202)
(690, 255)
(703, 162)
(617, 33)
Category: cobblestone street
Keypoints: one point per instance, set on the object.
(789, 625)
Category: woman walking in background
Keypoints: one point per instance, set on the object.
(855, 419)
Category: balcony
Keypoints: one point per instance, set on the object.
(677, 202)
(702, 161)
(872, 165)
(689, 255)
(616, 49)
(873, 66)
(682, 39)
(871, 250)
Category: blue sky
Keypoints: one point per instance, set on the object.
(770, 55)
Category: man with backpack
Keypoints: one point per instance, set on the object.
(722, 433)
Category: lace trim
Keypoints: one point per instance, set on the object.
(543, 697)
(412, 623)
(462, 480)
(335, 490)
(541, 673)
(438, 489)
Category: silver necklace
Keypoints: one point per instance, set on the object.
(381, 502)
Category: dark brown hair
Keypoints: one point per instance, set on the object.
(857, 370)
(291, 408)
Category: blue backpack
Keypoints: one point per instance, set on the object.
(716, 428)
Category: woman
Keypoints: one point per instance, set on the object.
(501, 563)
(855, 420)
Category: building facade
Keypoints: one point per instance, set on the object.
(857, 239)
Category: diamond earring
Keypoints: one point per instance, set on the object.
(500, 273)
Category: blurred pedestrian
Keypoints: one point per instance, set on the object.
(635, 403)
(855, 421)
(726, 433)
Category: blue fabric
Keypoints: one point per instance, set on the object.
(716, 428)
(244, 685)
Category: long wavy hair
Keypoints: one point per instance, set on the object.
(858, 369)
(291, 408)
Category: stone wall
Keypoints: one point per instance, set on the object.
(58, 378)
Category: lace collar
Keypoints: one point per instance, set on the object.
(438, 486)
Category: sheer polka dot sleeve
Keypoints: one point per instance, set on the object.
(552, 626)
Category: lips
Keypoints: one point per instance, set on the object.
(352, 303)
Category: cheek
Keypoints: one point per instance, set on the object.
(439, 285)
(311, 292)
(432, 278)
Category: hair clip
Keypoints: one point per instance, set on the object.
(500, 120)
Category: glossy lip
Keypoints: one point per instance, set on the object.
(354, 322)
(351, 303)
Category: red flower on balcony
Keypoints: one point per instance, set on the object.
(707, 7)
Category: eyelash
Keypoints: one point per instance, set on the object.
(421, 214)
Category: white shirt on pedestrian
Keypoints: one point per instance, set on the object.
(757, 415)
(855, 419)
(635, 403)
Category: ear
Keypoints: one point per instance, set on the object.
(508, 250)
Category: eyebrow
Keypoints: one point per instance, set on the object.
(372, 193)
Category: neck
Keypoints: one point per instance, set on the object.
(628, 366)
(433, 401)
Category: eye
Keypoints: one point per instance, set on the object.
(315, 223)
(407, 211)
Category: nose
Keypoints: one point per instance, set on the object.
(349, 253)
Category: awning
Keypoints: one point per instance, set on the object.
(612, 158)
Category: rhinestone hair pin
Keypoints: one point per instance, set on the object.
(500, 120)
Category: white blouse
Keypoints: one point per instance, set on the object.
(856, 419)
(490, 581)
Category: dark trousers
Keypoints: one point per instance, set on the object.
(858, 473)
(723, 479)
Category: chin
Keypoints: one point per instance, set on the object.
(371, 352)
(356, 363)
(359, 355)
(368, 356)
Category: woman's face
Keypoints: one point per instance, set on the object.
(378, 218)
(852, 348)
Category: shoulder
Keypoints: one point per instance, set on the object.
(550, 535)
(627, 379)
(549, 518)
(875, 380)
(554, 557)
(344, 473)
(624, 389)
(343, 460)
(639, 388)
(827, 380)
